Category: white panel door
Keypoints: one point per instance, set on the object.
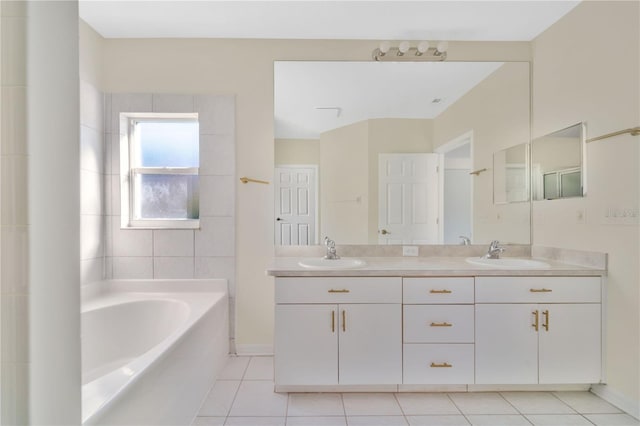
(570, 339)
(295, 206)
(408, 198)
(306, 344)
(370, 344)
(506, 344)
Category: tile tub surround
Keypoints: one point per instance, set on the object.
(239, 397)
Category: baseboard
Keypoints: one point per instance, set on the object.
(255, 350)
(527, 388)
(613, 397)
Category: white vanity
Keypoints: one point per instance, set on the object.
(425, 322)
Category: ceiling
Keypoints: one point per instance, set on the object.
(377, 20)
(360, 90)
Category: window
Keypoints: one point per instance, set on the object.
(159, 170)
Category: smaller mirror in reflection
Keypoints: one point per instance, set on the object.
(511, 175)
(557, 166)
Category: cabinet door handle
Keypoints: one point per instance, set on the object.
(536, 323)
(545, 324)
(443, 365)
(333, 321)
(344, 320)
(441, 324)
(540, 290)
(439, 291)
(341, 290)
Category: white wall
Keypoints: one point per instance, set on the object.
(14, 226)
(53, 212)
(245, 68)
(572, 85)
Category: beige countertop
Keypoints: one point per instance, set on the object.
(423, 267)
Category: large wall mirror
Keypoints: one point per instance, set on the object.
(384, 153)
(557, 164)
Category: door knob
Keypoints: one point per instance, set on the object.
(384, 232)
(278, 219)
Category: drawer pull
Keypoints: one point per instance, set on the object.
(441, 324)
(344, 320)
(545, 324)
(443, 365)
(536, 324)
(540, 290)
(440, 291)
(342, 290)
(333, 321)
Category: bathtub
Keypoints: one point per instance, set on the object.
(151, 349)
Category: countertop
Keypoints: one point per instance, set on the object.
(424, 267)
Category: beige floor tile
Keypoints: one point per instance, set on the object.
(315, 404)
(458, 420)
(255, 421)
(260, 368)
(498, 420)
(426, 404)
(376, 421)
(208, 421)
(586, 402)
(220, 398)
(371, 404)
(558, 420)
(612, 420)
(317, 421)
(257, 398)
(482, 403)
(235, 368)
(537, 403)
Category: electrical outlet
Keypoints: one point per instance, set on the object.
(580, 216)
(409, 250)
(620, 216)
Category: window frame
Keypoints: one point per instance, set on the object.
(129, 139)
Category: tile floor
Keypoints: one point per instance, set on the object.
(243, 395)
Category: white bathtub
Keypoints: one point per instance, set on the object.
(151, 349)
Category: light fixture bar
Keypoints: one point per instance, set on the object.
(404, 53)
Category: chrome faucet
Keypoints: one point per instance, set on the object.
(331, 249)
(494, 250)
(465, 240)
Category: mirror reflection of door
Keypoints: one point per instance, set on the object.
(407, 199)
(295, 205)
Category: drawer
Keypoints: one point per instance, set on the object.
(338, 290)
(438, 324)
(538, 290)
(438, 364)
(438, 290)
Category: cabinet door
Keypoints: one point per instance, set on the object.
(306, 344)
(570, 350)
(506, 344)
(370, 344)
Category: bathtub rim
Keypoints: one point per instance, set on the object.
(137, 289)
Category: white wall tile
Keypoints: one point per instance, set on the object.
(90, 192)
(108, 268)
(91, 236)
(13, 191)
(132, 268)
(173, 242)
(217, 155)
(127, 102)
(14, 266)
(14, 121)
(91, 106)
(8, 329)
(13, 36)
(91, 150)
(113, 196)
(217, 267)
(216, 237)
(173, 103)
(130, 242)
(91, 270)
(217, 195)
(216, 114)
(112, 154)
(173, 267)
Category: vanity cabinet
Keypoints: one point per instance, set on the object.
(331, 331)
(438, 330)
(543, 330)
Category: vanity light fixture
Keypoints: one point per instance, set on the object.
(404, 52)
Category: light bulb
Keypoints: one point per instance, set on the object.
(442, 46)
(423, 47)
(384, 47)
(403, 47)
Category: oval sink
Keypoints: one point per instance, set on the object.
(508, 263)
(322, 263)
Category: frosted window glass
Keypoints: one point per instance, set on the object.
(168, 144)
(168, 196)
(571, 184)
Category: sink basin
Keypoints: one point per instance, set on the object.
(322, 263)
(508, 263)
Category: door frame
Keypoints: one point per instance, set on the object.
(316, 218)
(442, 150)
